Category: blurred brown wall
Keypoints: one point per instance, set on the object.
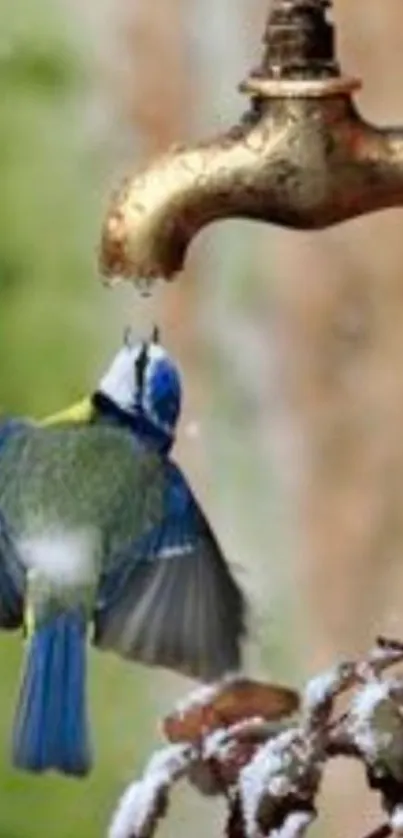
(336, 303)
(335, 299)
(338, 298)
(340, 301)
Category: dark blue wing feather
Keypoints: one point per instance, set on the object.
(12, 582)
(12, 573)
(171, 600)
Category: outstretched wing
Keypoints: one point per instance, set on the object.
(172, 600)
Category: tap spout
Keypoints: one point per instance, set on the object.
(381, 158)
(156, 214)
(302, 157)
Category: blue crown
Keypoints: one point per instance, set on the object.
(162, 394)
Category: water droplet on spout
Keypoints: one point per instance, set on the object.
(145, 285)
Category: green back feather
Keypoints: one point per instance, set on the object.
(80, 476)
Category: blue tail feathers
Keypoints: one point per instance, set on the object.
(50, 727)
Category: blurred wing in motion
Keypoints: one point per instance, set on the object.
(172, 601)
(12, 582)
(12, 572)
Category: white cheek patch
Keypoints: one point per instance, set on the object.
(119, 382)
(62, 557)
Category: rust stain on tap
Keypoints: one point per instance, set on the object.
(301, 157)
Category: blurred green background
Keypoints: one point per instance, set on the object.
(54, 324)
(57, 327)
(304, 492)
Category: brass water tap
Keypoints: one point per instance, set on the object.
(301, 157)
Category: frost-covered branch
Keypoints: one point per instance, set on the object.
(264, 748)
(145, 801)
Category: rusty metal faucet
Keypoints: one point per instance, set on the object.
(301, 157)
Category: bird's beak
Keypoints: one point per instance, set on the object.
(128, 337)
(155, 334)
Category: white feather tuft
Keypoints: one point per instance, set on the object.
(62, 557)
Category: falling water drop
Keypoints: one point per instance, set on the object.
(144, 285)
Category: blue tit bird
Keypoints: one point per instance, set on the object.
(101, 536)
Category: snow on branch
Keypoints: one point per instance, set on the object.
(264, 748)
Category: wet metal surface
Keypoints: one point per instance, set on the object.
(301, 157)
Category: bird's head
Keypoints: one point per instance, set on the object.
(143, 382)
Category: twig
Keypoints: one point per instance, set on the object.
(238, 739)
(382, 831)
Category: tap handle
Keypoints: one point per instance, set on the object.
(299, 41)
